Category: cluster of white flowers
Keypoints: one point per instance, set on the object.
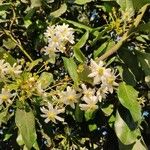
(88, 97)
(102, 75)
(7, 69)
(51, 114)
(5, 96)
(58, 36)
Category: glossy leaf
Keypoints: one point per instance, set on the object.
(108, 109)
(34, 63)
(45, 79)
(71, 66)
(60, 11)
(123, 132)
(78, 114)
(36, 3)
(144, 59)
(4, 116)
(5, 55)
(81, 2)
(26, 125)
(83, 72)
(128, 98)
(79, 25)
(77, 52)
(79, 55)
(82, 40)
(132, 4)
(104, 47)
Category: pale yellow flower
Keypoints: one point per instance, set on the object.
(14, 70)
(109, 82)
(69, 97)
(58, 36)
(5, 96)
(90, 104)
(87, 92)
(3, 68)
(97, 71)
(51, 114)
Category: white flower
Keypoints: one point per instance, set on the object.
(14, 70)
(109, 82)
(3, 67)
(65, 33)
(51, 114)
(98, 71)
(6, 96)
(69, 97)
(90, 104)
(101, 93)
(50, 32)
(88, 92)
(58, 36)
(50, 50)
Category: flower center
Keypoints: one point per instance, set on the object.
(71, 98)
(110, 80)
(101, 71)
(5, 97)
(51, 115)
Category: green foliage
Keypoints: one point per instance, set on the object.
(71, 67)
(25, 121)
(53, 84)
(128, 98)
(123, 132)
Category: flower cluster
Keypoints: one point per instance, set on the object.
(58, 36)
(102, 75)
(7, 69)
(25, 86)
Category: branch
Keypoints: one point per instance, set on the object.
(128, 34)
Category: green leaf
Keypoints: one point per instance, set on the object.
(9, 44)
(130, 65)
(144, 27)
(77, 52)
(144, 59)
(108, 109)
(123, 132)
(82, 2)
(79, 55)
(36, 3)
(104, 47)
(7, 137)
(78, 114)
(60, 11)
(128, 98)
(26, 124)
(5, 55)
(4, 116)
(79, 25)
(128, 76)
(20, 140)
(5, 6)
(45, 79)
(34, 63)
(83, 72)
(89, 115)
(30, 14)
(132, 4)
(82, 40)
(92, 127)
(71, 66)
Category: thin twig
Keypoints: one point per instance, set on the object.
(128, 34)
